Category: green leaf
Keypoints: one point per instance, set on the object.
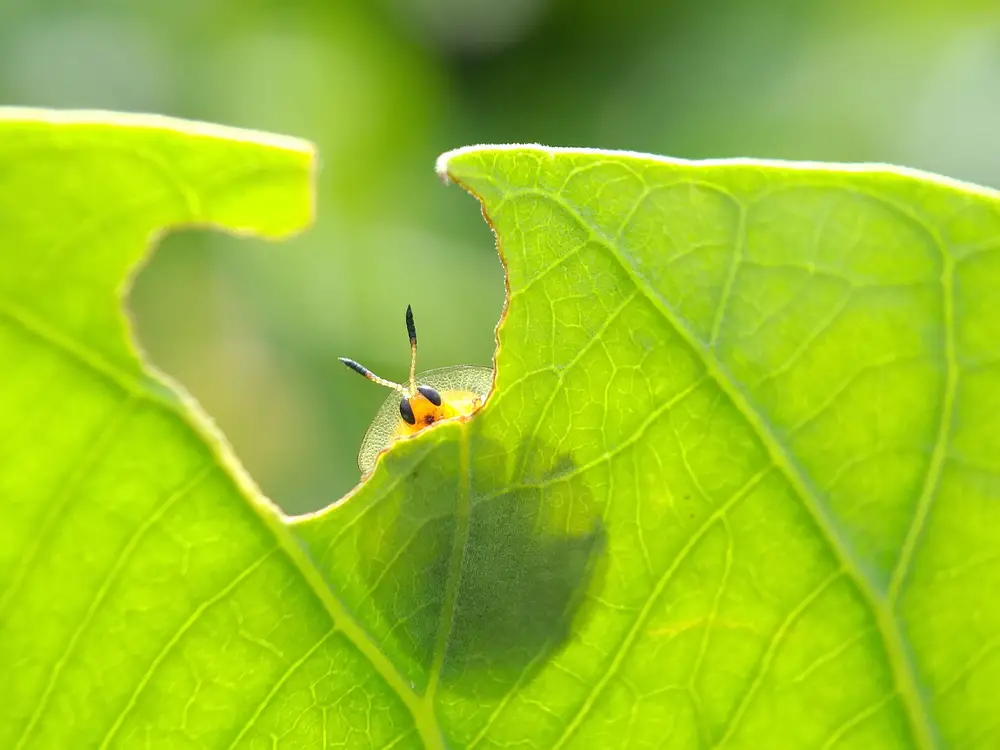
(736, 485)
(148, 596)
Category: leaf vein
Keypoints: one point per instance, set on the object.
(175, 639)
(93, 452)
(727, 289)
(594, 340)
(454, 570)
(625, 646)
(285, 676)
(899, 661)
(74, 349)
(144, 389)
(855, 721)
(771, 651)
(935, 466)
(623, 446)
(707, 633)
(116, 568)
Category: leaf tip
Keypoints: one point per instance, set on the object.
(449, 164)
(449, 159)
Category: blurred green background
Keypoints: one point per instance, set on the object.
(383, 86)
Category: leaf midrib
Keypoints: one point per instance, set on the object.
(899, 662)
(98, 599)
(189, 414)
(454, 577)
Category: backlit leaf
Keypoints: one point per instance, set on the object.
(736, 485)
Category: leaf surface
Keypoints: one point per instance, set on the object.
(748, 410)
(148, 596)
(737, 481)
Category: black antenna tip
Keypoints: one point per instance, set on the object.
(411, 329)
(358, 368)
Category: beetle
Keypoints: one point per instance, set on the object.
(444, 393)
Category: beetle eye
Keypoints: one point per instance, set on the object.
(430, 394)
(406, 412)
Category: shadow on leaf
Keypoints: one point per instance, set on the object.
(529, 556)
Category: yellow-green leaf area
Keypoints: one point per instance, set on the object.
(149, 598)
(737, 483)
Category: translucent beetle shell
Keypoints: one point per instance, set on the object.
(435, 395)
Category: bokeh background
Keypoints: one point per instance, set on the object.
(253, 330)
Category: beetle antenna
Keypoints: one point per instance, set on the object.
(411, 329)
(366, 373)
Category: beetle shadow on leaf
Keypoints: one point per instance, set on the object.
(530, 555)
